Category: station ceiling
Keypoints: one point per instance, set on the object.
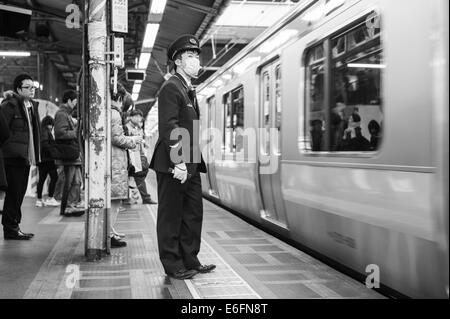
(49, 35)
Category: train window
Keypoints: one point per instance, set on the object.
(352, 122)
(315, 95)
(266, 113)
(228, 132)
(234, 120)
(278, 106)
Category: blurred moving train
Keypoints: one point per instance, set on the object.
(352, 155)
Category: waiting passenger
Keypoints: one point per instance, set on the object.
(354, 141)
(337, 126)
(119, 162)
(47, 164)
(67, 142)
(317, 135)
(375, 135)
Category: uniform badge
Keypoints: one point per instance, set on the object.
(193, 41)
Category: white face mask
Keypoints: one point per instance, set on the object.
(192, 67)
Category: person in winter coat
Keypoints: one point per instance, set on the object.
(20, 151)
(47, 164)
(65, 129)
(119, 162)
(4, 136)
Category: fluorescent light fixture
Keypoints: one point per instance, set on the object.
(15, 9)
(137, 87)
(134, 96)
(366, 66)
(150, 35)
(158, 6)
(15, 53)
(144, 59)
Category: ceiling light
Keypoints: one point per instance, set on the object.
(366, 66)
(15, 53)
(150, 35)
(134, 96)
(137, 88)
(144, 59)
(158, 6)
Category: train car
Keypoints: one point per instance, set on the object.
(331, 129)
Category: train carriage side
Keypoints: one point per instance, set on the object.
(357, 175)
(365, 205)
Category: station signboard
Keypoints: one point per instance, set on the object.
(119, 18)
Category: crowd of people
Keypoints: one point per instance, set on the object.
(54, 146)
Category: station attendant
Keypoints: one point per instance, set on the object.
(178, 163)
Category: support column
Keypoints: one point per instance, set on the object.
(98, 146)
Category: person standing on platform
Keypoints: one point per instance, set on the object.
(47, 164)
(134, 128)
(20, 151)
(4, 136)
(178, 164)
(119, 162)
(65, 130)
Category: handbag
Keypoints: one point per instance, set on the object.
(138, 164)
(67, 150)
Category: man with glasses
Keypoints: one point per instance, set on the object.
(19, 152)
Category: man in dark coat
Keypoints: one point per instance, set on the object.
(65, 130)
(20, 152)
(4, 135)
(178, 164)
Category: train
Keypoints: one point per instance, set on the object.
(330, 129)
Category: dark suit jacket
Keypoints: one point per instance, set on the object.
(177, 113)
(4, 136)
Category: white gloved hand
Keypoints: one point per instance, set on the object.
(181, 172)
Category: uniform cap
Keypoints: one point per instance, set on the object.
(183, 43)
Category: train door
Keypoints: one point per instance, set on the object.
(211, 150)
(270, 109)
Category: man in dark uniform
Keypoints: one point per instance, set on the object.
(178, 164)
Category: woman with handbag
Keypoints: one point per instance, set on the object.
(47, 164)
(119, 163)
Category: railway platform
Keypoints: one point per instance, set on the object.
(251, 264)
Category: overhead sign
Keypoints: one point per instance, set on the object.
(119, 19)
(135, 75)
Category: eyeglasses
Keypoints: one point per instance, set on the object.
(29, 87)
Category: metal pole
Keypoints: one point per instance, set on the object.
(98, 177)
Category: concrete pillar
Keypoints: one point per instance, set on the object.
(98, 146)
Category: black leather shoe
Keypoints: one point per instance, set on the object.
(203, 269)
(73, 213)
(117, 243)
(183, 274)
(26, 234)
(149, 201)
(16, 236)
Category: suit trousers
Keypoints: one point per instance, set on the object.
(179, 223)
(17, 178)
